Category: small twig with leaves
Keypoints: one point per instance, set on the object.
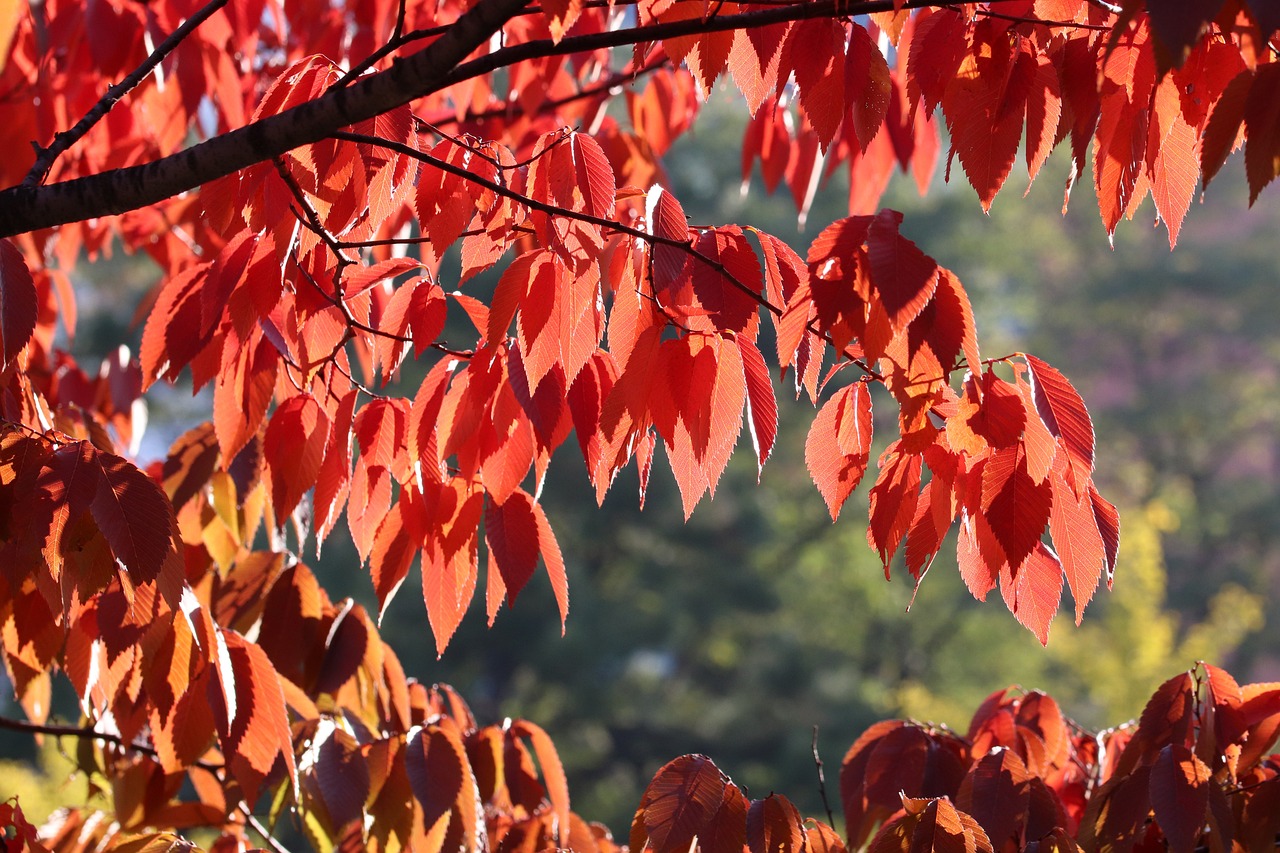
(62, 141)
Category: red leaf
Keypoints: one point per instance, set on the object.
(762, 405)
(192, 458)
(551, 557)
(1223, 132)
(1000, 416)
(838, 282)
(1044, 112)
(294, 447)
(985, 104)
(821, 838)
(903, 277)
(1074, 528)
(561, 16)
(1109, 526)
(728, 298)
(242, 394)
(937, 48)
(838, 447)
(134, 516)
(380, 428)
(370, 497)
(767, 137)
(334, 477)
(688, 801)
(1172, 155)
(1166, 719)
(585, 399)
(511, 290)
(754, 62)
(774, 826)
(1179, 790)
(1064, 413)
(815, 50)
(978, 567)
(666, 219)
(511, 532)
(1201, 80)
(1016, 507)
(553, 775)
(249, 708)
(867, 85)
(996, 792)
(1032, 595)
(1262, 127)
(441, 780)
(394, 546)
(893, 502)
(1121, 141)
(450, 558)
(17, 303)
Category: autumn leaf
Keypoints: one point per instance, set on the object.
(17, 303)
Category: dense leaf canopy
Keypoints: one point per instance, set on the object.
(303, 173)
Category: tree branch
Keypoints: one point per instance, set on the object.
(45, 157)
(435, 67)
(88, 733)
(28, 208)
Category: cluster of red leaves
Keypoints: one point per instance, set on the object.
(1192, 774)
(288, 291)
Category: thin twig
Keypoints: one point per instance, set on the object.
(685, 246)
(822, 779)
(262, 830)
(90, 733)
(45, 157)
(312, 216)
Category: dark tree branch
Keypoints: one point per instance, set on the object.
(62, 141)
(440, 64)
(89, 733)
(28, 208)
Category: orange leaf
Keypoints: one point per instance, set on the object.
(553, 776)
(295, 447)
(838, 446)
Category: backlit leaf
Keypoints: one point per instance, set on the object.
(1180, 796)
(17, 303)
(773, 826)
(1064, 413)
(837, 466)
(295, 445)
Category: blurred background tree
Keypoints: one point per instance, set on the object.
(738, 632)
